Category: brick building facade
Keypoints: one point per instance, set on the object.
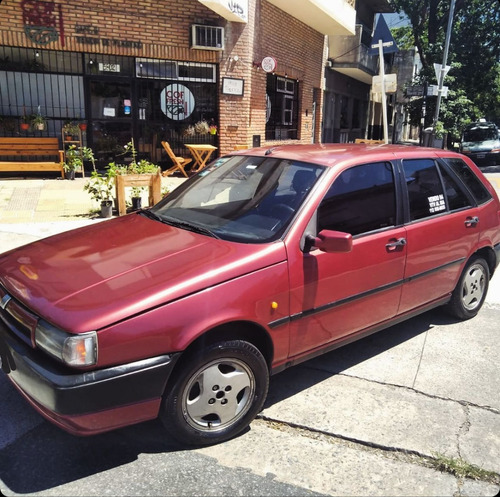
(130, 70)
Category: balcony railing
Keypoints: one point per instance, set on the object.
(350, 51)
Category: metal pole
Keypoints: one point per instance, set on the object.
(443, 66)
(384, 102)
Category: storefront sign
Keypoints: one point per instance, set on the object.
(232, 10)
(268, 64)
(42, 21)
(177, 102)
(84, 31)
(233, 86)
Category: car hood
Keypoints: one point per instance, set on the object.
(91, 277)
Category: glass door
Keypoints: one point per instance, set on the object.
(110, 117)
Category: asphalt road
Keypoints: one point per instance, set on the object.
(376, 417)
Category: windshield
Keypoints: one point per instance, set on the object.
(480, 134)
(240, 198)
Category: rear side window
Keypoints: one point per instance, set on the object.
(362, 199)
(425, 191)
(473, 183)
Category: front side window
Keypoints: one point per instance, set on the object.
(362, 199)
(282, 108)
(241, 198)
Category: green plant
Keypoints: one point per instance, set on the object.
(463, 469)
(100, 187)
(38, 120)
(71, 128)
(142, 166)
(73, 159)
(137, 191)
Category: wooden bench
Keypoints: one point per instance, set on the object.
(38, 148)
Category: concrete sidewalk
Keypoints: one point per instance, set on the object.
(31, 209)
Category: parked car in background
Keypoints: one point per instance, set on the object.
(262, 260)
(481, 142)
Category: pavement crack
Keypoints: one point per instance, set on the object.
(463, 429)
(435, 462)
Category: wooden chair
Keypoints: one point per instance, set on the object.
(179, 162)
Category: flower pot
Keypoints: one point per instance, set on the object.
(69, 174)
(213, 132)
(136, 203)
(106, 208)
(68, 138)
(83, 126)
(25, 126)
(40, 127)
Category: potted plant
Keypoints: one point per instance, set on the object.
(202, 127)
(73, 161)
(25, 122)
(83, 126)
(70, 129)
(100, 187)
(136, 197)
(213, 129)
(38, 122)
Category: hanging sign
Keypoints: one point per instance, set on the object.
(268, 64)
(177, 102)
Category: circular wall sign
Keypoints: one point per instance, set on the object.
(268, 64)
(177, 102)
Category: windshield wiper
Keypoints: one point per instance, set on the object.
(189, 227)
(151, 215)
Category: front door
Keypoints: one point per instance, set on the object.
(336, 294)
(111, 117)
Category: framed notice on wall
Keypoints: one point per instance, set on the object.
(233, 86)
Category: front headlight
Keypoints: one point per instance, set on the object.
(73, 350)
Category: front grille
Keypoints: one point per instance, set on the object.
(17, 318)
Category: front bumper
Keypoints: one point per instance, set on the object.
(91, 401)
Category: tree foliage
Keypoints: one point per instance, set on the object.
(474, 57)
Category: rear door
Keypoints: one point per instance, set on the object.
(337, 294)
(442, 229)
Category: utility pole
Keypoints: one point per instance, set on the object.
(443, 71)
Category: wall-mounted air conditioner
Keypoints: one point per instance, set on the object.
(207, 37)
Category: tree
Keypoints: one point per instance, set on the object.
(474, 57)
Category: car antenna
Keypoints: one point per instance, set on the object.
(269, 151)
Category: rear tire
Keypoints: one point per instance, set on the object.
(470, 292)
(216, 393)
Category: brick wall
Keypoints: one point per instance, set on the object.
(147, 28)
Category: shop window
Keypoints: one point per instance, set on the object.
(282, 108)
(170, 69)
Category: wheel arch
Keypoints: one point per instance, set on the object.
(234, 330)
(488, 254)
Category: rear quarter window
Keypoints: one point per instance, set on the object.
(470, 180)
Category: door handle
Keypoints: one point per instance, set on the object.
(397, 244)
(470, 222)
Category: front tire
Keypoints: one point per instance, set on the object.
(470, 292)
(216, 393)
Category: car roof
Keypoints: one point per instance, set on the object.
(346, 153)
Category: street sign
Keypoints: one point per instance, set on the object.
(437, 70)
(415, 91)
(433, 91)
(391, 83)
(383, 33)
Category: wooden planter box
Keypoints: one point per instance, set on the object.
(153, 181)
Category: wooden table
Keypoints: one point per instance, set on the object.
(201, 153)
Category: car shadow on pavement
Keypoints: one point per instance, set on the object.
(46, 457)
(303, 376)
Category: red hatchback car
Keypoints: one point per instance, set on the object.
(262, 260)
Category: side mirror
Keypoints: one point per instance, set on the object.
(331, 241)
